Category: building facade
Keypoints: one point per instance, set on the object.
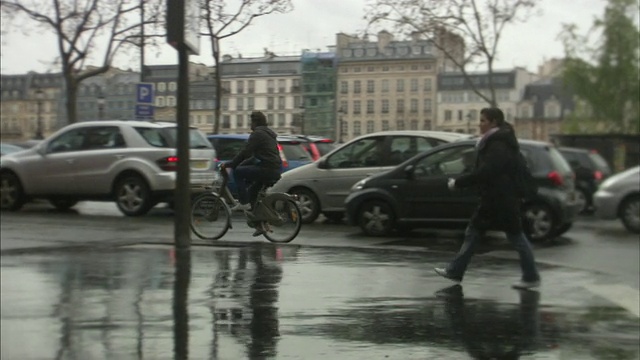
(384, 85)
(29, 105)
(271, 84)
(459, 105)
(542, 108)
(318, 92)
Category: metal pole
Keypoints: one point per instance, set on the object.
(39, 135)
(142, 40)
(182, 231)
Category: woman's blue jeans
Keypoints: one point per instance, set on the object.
(472, 236)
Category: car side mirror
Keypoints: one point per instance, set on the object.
(409, 170)
(322, 163)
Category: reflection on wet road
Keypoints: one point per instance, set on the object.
(269, 302)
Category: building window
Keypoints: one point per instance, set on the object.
(385, 125)
(225, 104)
(226, 122)
(385, 68)
(162, 86)
(356, 107)
(270, 103)
(209, 119)
(281, 122)
(414, 124)
(171, 101)
(524, 112)
(344, 106)
(240, 104)
(282, 86)
(385, 106)
(251, 87)
(297, 101)
(370, 127)
(414, 85)
(226, 87)
(414, 106)
(427, 84)
(344, 87)
(270, 86)
(371, 69)
(356, 128)
(356, 87)
(356, 69)
(447, 115)
(385, 86)
(370, 107)
(427, 106)
(239, 121)
(250, 103)
(400, 106)
(281, 102)
(400, 125)
(240, 87)
(160, 101)
(400, 85)
(371, 87)
(460, 115)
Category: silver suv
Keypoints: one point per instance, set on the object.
(130, 162)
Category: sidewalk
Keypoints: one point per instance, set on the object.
(260, 301)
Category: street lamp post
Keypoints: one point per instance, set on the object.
(100, 100)
(39, 97)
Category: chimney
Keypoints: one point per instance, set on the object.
(384, 38)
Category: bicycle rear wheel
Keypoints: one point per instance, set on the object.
(288, 227)
(210, 217)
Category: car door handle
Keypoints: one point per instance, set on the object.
(71, 161)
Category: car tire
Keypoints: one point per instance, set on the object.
(309, 205)
(133, 196)
(583, 200)
(630, 214)
(63, 204)
(538, 222)
(12, 195)
(376, 218)
(562, 229)
(334, 216)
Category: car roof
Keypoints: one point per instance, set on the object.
(526, 142)
(442, 135)
(135, 123)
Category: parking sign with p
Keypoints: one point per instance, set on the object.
(144, 93)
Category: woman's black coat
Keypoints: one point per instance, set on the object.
(499, 207)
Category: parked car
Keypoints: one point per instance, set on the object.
(415, 194)
(323, 185)
(133, 163)
(292, 152)
(6, 149)
(619, 198)
(590, 169)
(317, 146)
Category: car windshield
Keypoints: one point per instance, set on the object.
(294, 151)
(227, 149)
(558, 161)
(167, 137)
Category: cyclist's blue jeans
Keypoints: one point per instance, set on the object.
(458, 266)
(249, 179)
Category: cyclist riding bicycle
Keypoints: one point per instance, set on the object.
(257, 163)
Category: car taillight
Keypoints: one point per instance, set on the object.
(326, 141)
(555, 178)
(597, 175)
(169, 163)
(282, 157)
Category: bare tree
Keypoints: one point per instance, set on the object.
(84, 30)
(475, 24)
(219, 23)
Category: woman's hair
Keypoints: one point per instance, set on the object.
(258, 118)
(494, 115)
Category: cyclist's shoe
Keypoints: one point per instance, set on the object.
(241, 207)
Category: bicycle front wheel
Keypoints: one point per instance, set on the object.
(288, 226)
(210, 217)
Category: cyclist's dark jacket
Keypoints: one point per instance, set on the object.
(262, 149)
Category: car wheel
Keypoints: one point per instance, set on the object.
(581, 200)
(11, 193)
(133, 196)
(563, 229)
(376, 218)
(538, 222)
(630, 214)
(63, 204)
(334, 216)
(309, 205)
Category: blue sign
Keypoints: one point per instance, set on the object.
(144, 111)
(144, 93)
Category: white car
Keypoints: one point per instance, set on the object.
(133, 163)
(323, 186)
(618, 197)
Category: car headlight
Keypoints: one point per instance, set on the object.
(359, 185)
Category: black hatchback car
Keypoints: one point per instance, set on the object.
(590, 169)
(415, 195)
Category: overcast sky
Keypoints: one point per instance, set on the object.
(313, 25)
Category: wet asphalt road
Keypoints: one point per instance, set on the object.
(332, 294)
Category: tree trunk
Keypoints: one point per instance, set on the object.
(70, 102)
(218, 80)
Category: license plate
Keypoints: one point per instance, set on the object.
(201, 164)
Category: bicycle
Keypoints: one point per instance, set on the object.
(276, 214)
